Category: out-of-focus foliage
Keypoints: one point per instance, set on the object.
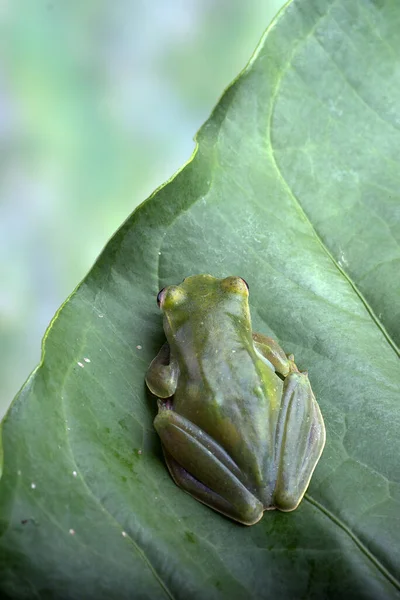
(99, 102)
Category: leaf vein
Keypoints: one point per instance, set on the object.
(393, 580)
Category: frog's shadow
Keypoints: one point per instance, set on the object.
(151, 402)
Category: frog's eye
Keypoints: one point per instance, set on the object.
(235, 285)
(160, 296)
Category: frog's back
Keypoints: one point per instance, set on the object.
(236, 402)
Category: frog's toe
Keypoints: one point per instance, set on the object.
(252, 514)
(287, 502)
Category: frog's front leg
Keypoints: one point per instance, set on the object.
(299, 441)
(162, 374)
(271, 350)
(204, 469)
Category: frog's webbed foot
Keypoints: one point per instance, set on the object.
(300, 438)
(204, 469)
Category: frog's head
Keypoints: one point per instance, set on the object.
(201, 298)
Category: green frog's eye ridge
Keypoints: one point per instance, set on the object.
(245, 282)
(159, 296)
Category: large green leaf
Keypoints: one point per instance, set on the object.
(295, 186)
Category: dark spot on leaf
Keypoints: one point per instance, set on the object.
(190, 537)
(123, 422)
(30, 520)
(122, 459)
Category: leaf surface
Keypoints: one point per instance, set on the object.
(294, 185)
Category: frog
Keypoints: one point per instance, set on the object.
(240, 428)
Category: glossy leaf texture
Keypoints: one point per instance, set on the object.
(294, 185)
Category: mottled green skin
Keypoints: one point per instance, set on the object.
(236, 435)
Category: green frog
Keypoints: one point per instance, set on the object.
(240, 427)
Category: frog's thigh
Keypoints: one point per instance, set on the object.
(204, 469)
(201, 492)
(300, 438)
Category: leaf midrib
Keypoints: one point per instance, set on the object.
(296, 201)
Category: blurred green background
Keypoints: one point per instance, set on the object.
(99, 103)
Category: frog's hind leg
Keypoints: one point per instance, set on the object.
(300, 439)
(203, 468)
(201, 492)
